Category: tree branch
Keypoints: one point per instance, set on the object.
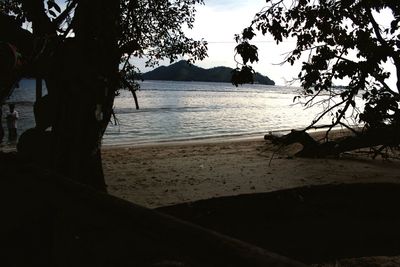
(324, 113)
(11, 31)
(58, 21)
(41, 23)
(133, 91)
(394, 55)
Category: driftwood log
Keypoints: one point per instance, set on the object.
(48, 220)
(385, 136)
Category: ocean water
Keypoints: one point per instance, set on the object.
(194, 110)
(174, 111)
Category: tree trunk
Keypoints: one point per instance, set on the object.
(81, 77)
(386, 136)
(83, 86)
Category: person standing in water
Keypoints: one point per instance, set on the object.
(12, 117)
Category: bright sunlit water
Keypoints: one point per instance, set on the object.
(171, 111)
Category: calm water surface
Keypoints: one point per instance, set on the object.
(191, 110)
(171, 111)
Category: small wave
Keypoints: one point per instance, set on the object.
(120, 111)
(179, 86)
(209, 90)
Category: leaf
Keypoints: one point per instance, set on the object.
(130, 47)
(243, 75)
(394, 26)
(248, 33)
(52, 13)
(248, 52)
(51, 4)
(57, 7)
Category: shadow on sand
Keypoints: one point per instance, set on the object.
(48, 220)
(310, 224)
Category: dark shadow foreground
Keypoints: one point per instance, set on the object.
(51, 221)
(311, 224)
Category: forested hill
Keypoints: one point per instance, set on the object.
(182, 71)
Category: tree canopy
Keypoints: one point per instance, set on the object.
(85, 51)
(343, 41)
(149, 29)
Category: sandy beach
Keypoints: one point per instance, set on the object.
(156, 175)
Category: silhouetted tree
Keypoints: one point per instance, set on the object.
(83, 51)
(343, 41)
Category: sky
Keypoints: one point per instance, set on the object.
(217, 21)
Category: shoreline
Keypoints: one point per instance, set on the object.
(213, 139)
(194, 141)
(10, 147)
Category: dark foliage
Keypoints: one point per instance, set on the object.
(343, 42)
(83, 50)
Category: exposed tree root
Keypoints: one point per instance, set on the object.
(378, 139)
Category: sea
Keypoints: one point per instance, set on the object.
(180, 111)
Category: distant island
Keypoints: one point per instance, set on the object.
(182, 71)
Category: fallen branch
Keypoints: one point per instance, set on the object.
(385, 136)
